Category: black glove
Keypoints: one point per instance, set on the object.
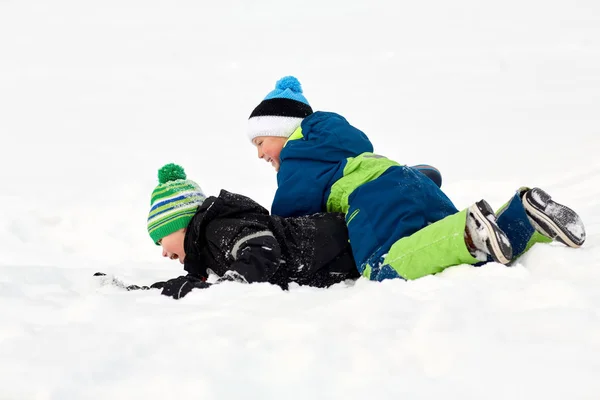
(179, 287)
(158, 285)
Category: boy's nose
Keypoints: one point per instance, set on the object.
(165, 253)
(260, 153)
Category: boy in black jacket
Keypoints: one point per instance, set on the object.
(237, 239)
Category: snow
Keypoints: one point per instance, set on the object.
(96, 96)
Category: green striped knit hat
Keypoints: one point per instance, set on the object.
(173, 203)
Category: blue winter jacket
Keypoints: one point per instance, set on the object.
(329, 165)
(314, 159)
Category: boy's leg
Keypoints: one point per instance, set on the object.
(513, 220)
(532, 217)
(401, 225)
(441, 245)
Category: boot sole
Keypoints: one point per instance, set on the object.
(554, 218)
(497, 240)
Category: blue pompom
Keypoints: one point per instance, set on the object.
(289, 82)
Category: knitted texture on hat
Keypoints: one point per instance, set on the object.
(173, 203)
(281, 111)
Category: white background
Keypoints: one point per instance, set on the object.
(96, 96)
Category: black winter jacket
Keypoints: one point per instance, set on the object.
(236, 238)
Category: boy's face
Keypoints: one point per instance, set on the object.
(269, 148)
(172, 245)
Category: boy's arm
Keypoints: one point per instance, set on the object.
(297, 195)
(430, 172)
(176, 287)
(256, 256)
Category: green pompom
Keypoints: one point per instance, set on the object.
(170, 172)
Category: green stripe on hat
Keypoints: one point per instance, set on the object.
(170, 189)
(173, 202)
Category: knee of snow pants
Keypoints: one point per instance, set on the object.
(425, 252)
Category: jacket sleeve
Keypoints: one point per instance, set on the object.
(256, 256)
(430, 172)
(298, 195)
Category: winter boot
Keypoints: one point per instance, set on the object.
(552, 219)
(484, 237)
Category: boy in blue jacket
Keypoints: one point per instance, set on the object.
(400, 223)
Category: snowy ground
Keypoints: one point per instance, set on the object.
(96, 96)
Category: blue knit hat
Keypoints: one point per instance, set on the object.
(281, 111)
